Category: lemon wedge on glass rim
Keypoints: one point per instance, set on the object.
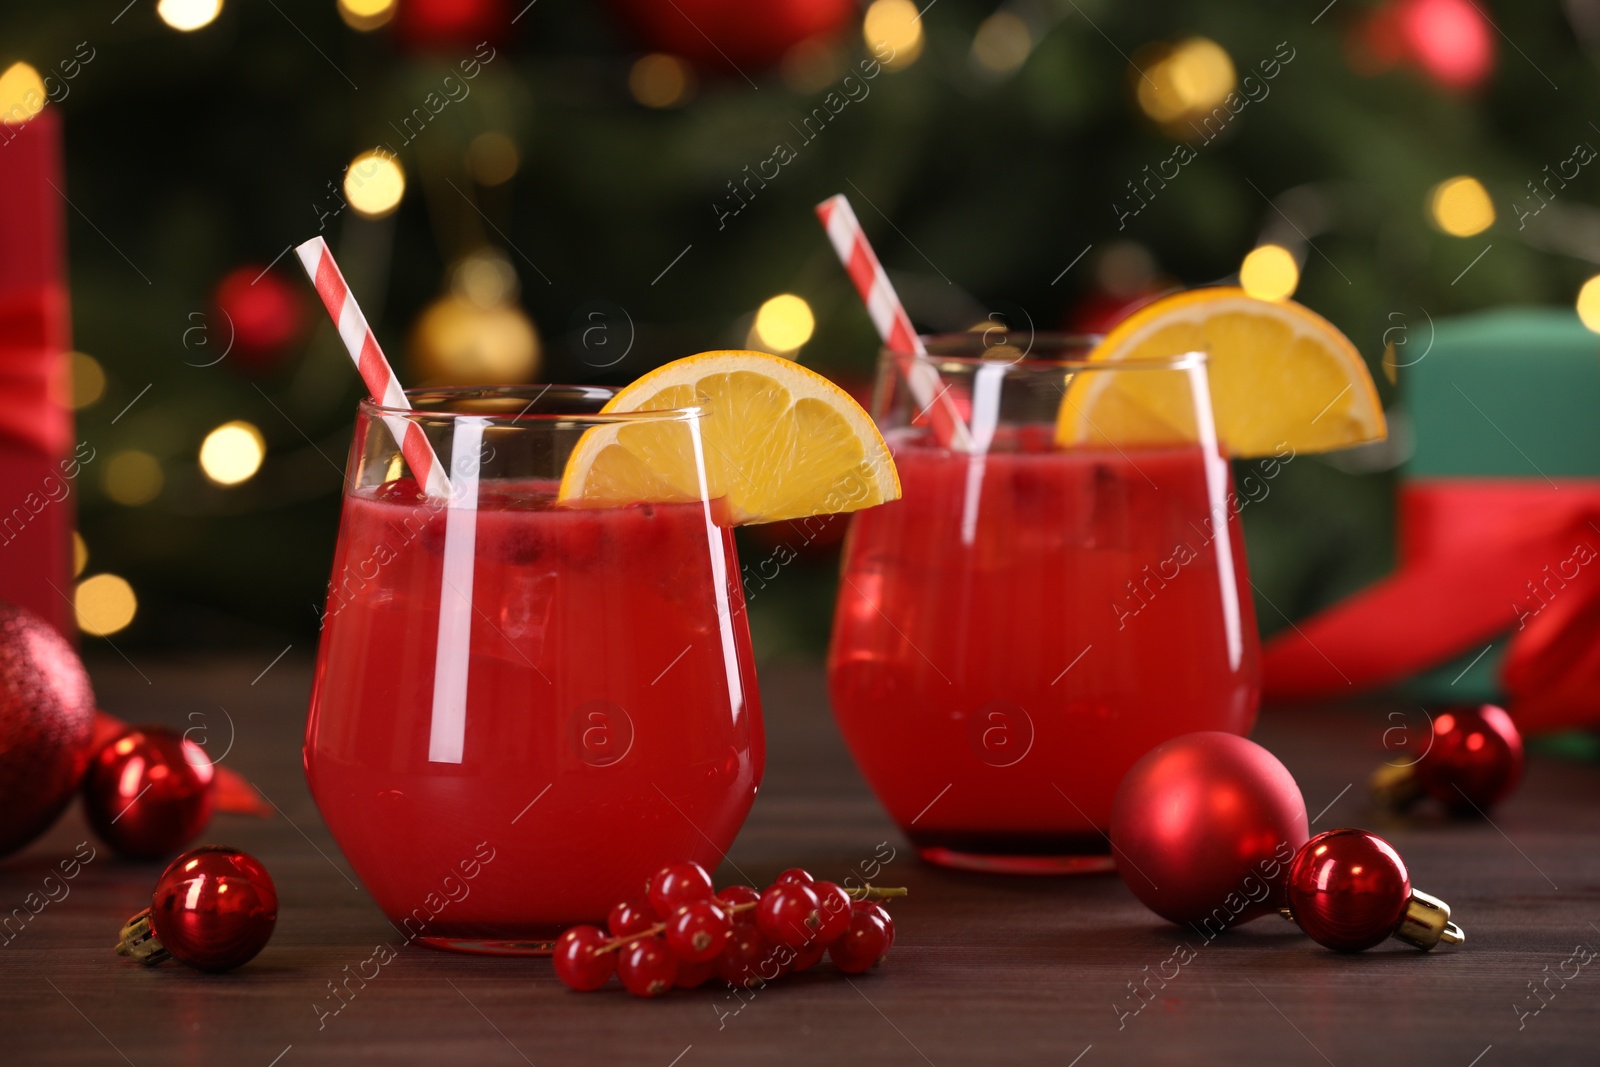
(1279, 374)
(779, 442)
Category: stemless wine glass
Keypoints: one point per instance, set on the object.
(1036, 614)
(522, 710)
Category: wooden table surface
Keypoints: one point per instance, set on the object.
(985, 970)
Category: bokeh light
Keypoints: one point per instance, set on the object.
(1461, 206)
(22, 94)
(1269, 272)
(104, 604)
(661, 80)
(893, 28)
(88, 380)
(1002, 43)
(80, 553)
(232, 453)
(1589, 303)
(1184, 81)
(784, 323)
(493, 159)
(374, 184)
(188, 15)
(133, 477)
(366, 15)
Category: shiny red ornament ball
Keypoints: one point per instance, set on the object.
(214, 908)
(149, 792)
(1475, 759)
(729, 34)
(259, 315)
(1348, 889)
(1203, 830)
(46, 725)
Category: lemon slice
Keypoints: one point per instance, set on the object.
(779, 442)
(1279, 374)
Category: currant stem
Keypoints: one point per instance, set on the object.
(877, 892)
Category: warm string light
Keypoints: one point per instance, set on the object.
(188, 15)
(104, 604)
(80, 553)
(374, 184)
(1269, 272)
(1002, 44)
(22, 94)
(133, 477)
(1461, 206)
(366, 15)
(660, 80)
(784, 323)
(88, 380)
(893, 32)
(232, 453)
(1185, 80)
(1589, 303)
(492, 158)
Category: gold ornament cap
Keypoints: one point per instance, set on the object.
(139, 941)
(1395, 786)
(1427, 922)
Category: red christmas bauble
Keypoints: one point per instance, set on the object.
(1475, 760)
(1348, 889)
(46, 724)
(149, 792)
(214, 908)
(717, 33)
(260, 314)
(1203, 830)
(452, 25)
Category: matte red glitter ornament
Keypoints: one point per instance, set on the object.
(1472, 760)
(214, 908)
(1203, 829)
(1349, 890)
(46, 723)
(149, 792)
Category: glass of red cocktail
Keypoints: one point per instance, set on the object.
(1040, 610)
(522, 710)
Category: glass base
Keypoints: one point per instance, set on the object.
(484, 946)
(1001, 853)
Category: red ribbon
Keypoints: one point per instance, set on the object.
(1479, 558)
(32, 376)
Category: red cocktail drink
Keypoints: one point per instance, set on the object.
(522, 710)
(1025, 623)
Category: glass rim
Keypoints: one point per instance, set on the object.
(478, 401)
(969, 350)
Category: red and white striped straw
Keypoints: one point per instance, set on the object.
(928, 390)
(371, 364)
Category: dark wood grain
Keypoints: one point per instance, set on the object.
(986, 970)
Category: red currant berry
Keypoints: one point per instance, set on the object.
(789, 914)
(734, 895)
(807, 957)
(835, 911)
(677, 883)
(698, 931)
(578, 962)
(630, 917)
(694, 975)
(647, 968)
(862, 946)
(796, 875)
(872, 907)
(745, 961)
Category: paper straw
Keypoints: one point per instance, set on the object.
(928, 390)
(371, 365)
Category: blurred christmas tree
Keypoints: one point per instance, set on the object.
(580, 192)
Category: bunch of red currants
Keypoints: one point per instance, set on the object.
(683, 933)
